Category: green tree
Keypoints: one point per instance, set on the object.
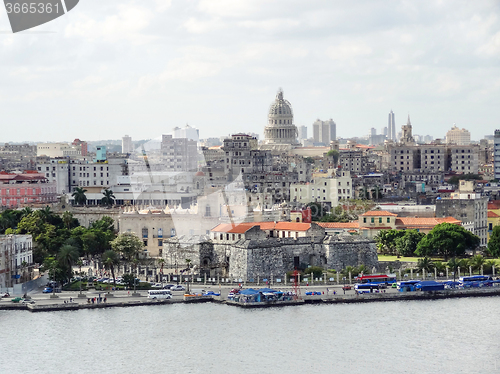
(425, 265)
(109, 198)
(494, 243)
(79, 196)
(387, 240)
(129, 245)
(448, 240)
(477, 262)
(406, 245)
(334, 155)
(67, 256)
(110, 259)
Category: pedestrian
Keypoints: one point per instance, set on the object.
(334, 293)
(327, 291)
(70, 299)
(105, 298)
(129, 293)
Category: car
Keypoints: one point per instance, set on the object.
(48, 290)
(177, 287)
(168, 286)
(156, 285)
(211, 293)
(394, 285)
(312, 293)
(28, 301)
(346, 287)
(4, 294)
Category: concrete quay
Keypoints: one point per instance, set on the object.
(44, 303)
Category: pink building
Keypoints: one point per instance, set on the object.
(18, 190)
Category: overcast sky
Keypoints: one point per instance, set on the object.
(110, 68)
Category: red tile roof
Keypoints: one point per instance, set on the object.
(379, 213)
(492, 215)
(244, 227)
(420, 222)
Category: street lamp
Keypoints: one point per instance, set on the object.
(344, 284)
(453, 273)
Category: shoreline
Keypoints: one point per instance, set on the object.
(320, 299)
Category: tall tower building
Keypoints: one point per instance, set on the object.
(391, 127)
(324, 131)
(458, 136)
(302, 132)
(127, 144)
(280, 128)
(496, 154)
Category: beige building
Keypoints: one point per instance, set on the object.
(458, 136)
(57, 150)
(328, 187)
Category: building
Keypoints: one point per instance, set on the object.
(324, 132)
(127, 146)
(262, 250)
(468, 207)
(458, 136)
(179, 154)
(58, 150)
(496, 154)
(77, 143)
(302, 132)
(329, 188)
(16, 259)
(280, 128)
(18, 190)
(391, 128)
(371, 222)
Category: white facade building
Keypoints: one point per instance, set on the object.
(458, 136)
(16, 259)
(496, 158)
(127, 146)
(328, 188)
(57, 150)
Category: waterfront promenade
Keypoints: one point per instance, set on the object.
(68, 300)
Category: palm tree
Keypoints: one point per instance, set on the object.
(425, 264)
(79, 196)
(488, 266)
(108, 198)
(161, 262)
(477, 262)
(26, 211)
(67, 256)
(67, 219)
(110, 258)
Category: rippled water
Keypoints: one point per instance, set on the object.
(444, 336)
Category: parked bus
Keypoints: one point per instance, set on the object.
(159, 294)
(378, 278)
(475, 278)
(366, 286)
(408, 284)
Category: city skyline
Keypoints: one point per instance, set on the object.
(110, 69)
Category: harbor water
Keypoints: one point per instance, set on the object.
(434, 336)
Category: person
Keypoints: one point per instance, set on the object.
(70, 299)
(334, 292)
(105, 298)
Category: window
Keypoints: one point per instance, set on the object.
(380, 220)
(145, 232)
(364, 219)
(388, 220)
(160, 242)
(373, 220)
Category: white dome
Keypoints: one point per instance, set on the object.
(280, 128)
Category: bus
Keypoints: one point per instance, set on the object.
(408, 283)
(475, 278)
(366, 286)
(377, 278)
(159, 294)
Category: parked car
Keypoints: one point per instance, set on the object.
(311, 293)
(346, 287)
(48, 290)
(211, 293)
(177, 287)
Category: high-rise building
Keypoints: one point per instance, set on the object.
(302, 132)
(391, 128)
(384, 131)
(324, 131)
(127, 144)
(496, 154)
(458, 136)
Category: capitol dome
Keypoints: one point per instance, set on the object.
(280, 128)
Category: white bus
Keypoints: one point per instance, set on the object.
(159, 294)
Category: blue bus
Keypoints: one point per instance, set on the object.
(366, 286)
(377, 278)
(475, 278)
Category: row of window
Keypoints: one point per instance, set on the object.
(379, 220)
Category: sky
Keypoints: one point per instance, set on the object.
(110, 68)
